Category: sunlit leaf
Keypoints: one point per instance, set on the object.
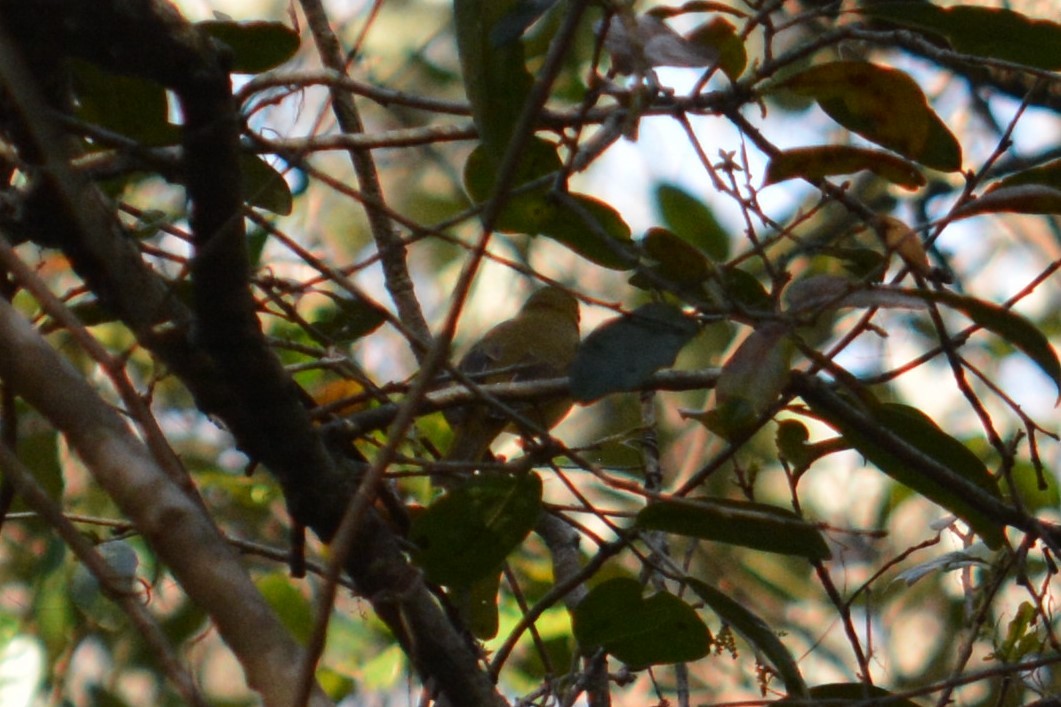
(692, 220)
(256, 46)
(467, 533)
(881, 104)
(637, 630)
(754, 525)
(755, 631)
(981, 31)
(621, 353)
(815, 163)
(1036, 491)
(289, 604)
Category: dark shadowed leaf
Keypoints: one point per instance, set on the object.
(920, 432)
(676, 261)
(516, 21)
(265, 187)
(1047, 175)
(981, 31)
(1012, 327)
(621, 353)
(133, 107)
(852, 694)
(591, 228)
(883, 105)
(720, 35)
(743, 523)
(256, 46)
(349, 320)
(639, 631)
(814, 163)
(466, 534)
(526, 210)
(495, 75)
(1020, 199)
(755, 631)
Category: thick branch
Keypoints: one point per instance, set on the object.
(172, 522)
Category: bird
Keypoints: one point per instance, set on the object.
(539, 342)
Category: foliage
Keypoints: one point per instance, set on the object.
(814, 456)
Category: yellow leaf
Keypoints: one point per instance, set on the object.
(901, 239)
(334, 393)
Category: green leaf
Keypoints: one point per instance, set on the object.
(1020, 199)
(734, 522)
(815, 163)
(265, 187)
(38, 449)
(621, 353)
(755, 631)
(591, 228)
(477, 605)
(517, 20)
(1047, 175)
(467, 533)
(127, 105)
(289, 604)
(675, 261)
(639, 631)
(751, 381)
(495, 75)
(881, 104)
(1006, 323)
(720, 34)
(920, 432)
(256, 46)
(1025, 485)
(692, 220)
(981, 31)
(349, 320)
(525, 211)
(743, 289)
(791, 441)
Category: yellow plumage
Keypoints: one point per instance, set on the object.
(540, 342)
